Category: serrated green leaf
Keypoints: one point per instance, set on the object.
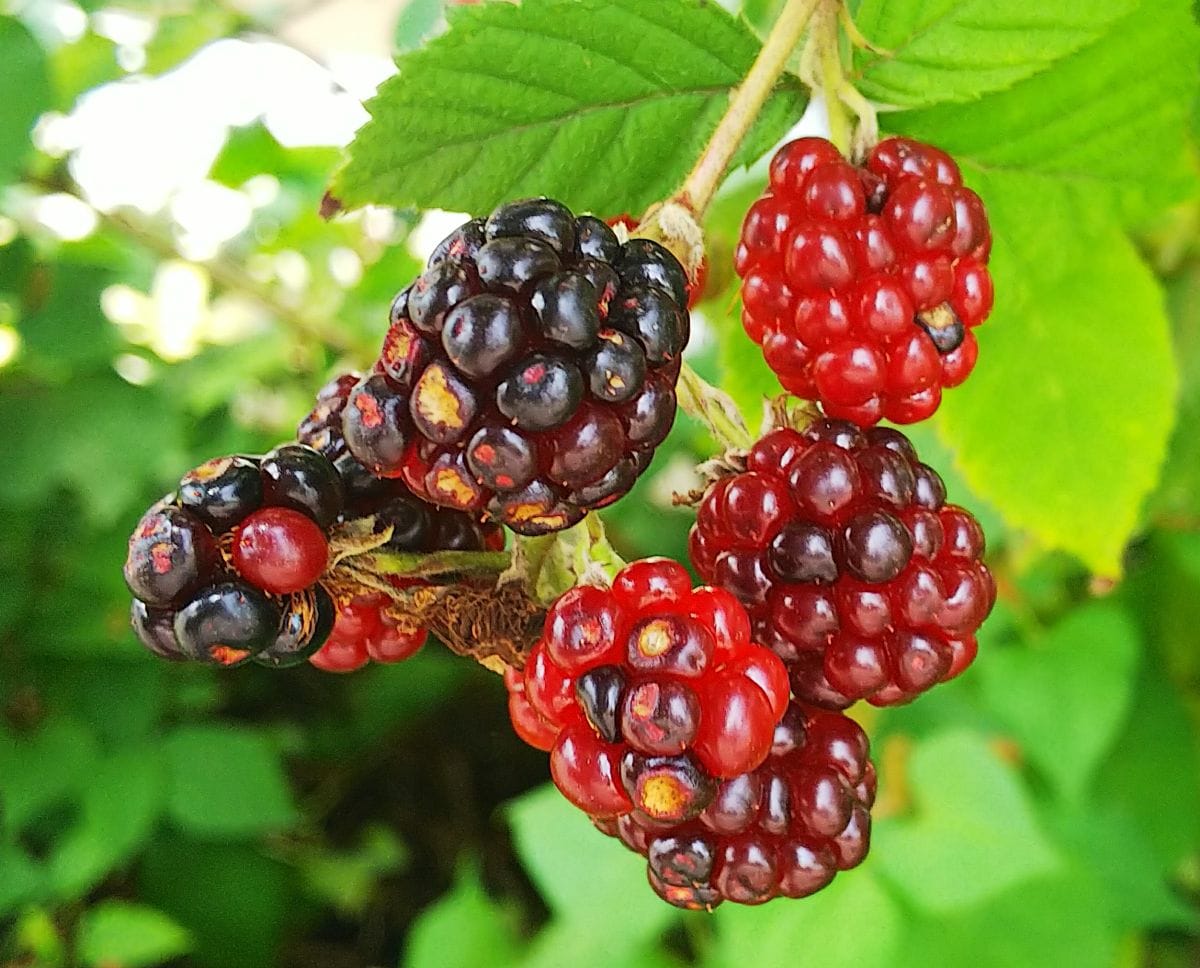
(119, 807)
(1121, 146)
(463, 929)
(974, 834)
(1071, 454)
(226, 783)
(604, 104)
(116, 934)
(812, 933)
(548, 831)
(957, 50)
(1066, 696)
(26, 96)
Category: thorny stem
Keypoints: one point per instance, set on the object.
(747, 101)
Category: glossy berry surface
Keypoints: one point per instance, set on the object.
(307, 621)
(171, 554)
(864, 285)
(647, 693)
(528, 374)
(852, 566)
(783, 829)
(279, 550)
(227, 624)
(368, 628)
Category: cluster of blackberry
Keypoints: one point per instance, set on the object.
(529, 372)
(526, 378)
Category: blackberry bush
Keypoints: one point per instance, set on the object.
(529, 372)
(853, 567)
(863, 284)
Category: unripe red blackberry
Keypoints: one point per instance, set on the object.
(863, 285)
(529, 372)
(782, 830)
(853, 568)
(647, 693)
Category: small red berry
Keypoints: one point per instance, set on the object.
(280, 550)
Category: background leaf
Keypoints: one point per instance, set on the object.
(120, 935)
(956, 50)
(974, 834)
(23, 59)
(1066, 695)
(543, 97)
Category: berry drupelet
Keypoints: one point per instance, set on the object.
(529, 372)
(853, 568)
(647, 694)
(782, 830)
(225, 570)
(863, 285)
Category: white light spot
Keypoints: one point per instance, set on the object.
(10, 342)
(345, 266)
(65, 215)
(134, 369)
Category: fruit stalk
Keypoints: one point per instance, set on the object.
(439, 563)
(745, 104)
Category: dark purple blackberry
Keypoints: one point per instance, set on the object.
(308, 618)
(155, 629)
(298, 477)
(227, 624)
(222, 491)
(531, 334)
(171, 554)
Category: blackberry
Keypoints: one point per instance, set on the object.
(783, 829)
(853, 568)
(527, 330)
(307, 622)
(864, 285)
(171, 554)
(648, 693)
(227, 624)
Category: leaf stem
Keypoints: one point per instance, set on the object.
(418, 565)
(714, 408)
(745, 104)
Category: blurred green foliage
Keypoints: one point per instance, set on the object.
(1044, 810)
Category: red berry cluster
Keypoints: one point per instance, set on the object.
(863, 284)
(853, 568)
(226, 569)
(782, 830)
(647, 694)
(529, 372)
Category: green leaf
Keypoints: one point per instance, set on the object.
(1066, 696)
(42, 769)
(1118, 145)
(1153, 772)
(956, 50)
(119, 808)
(116, 934)
(68, 330)
(974, 834)
(226, 783)
(1071, 453)
(1040, 924)
(236, 902)
(812, 933)
(556, 843)
(463, 929)
(604, 104)
(26, 96)
(1176, 497)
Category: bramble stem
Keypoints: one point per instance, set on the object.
(744, 106)
(714, 408)
(826, 39)
(417, 565)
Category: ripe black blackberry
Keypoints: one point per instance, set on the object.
(225, 570)
(529, 372)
